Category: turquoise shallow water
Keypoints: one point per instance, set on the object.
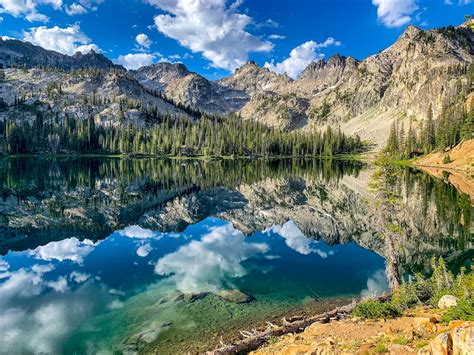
(123, 292)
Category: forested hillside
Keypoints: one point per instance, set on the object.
(169, 136)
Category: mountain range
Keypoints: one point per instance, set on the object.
(422, 72)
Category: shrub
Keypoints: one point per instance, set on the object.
(374, 309)
(464, 310)
(406, 295)
(447, 159)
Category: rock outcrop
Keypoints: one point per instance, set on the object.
(447, 301)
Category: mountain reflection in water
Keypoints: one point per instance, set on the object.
(132, 254)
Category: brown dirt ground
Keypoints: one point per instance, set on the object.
(405, 335)
(462, 158)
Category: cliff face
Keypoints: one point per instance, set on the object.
(253, 79)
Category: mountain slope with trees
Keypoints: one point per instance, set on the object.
(419, 84)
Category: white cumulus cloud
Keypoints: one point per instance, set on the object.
(143, 41)
(376, 285)
(144, 250)
(459, 2)
(67, 40)
(213, 28)
(274, 36)
(300, 57)
(67, 249)
(138, 232)
(75, 9)
(134, 61)
(28, 8)
(79, 277)
(60, 285)
(395, 13)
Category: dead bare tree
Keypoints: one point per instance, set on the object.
(54, 142)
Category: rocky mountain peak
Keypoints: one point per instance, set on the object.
(14, 52)
(469, 23)
(158, 76)
(410, 32)
(165, 69)
(249, 65)
(252, 78)
(251, 68)
(336, 64)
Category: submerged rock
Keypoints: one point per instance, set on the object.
(140, 340)
(235, 296)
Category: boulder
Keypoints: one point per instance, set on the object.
(442, 344)
(463, 340)
(447, 301)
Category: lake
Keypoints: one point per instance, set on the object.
(170, 256)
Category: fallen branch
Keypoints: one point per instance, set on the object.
(254, 339)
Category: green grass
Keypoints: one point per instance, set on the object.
(381, 346)
(273, 340)
(401, 340)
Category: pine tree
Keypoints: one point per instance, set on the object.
(467, 127)
(410, 144)
(393, 147)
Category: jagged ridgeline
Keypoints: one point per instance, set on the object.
(422, 69)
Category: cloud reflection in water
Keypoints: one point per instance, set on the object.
(209, 264)
(296, 240)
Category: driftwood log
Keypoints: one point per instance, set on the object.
(252, 340)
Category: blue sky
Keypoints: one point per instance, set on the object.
(213, 37)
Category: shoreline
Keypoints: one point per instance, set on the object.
(344, 157)
(253, 339)
(209, 339)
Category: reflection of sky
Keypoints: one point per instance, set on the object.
(206, 264)
(296, 240)
(48, 293)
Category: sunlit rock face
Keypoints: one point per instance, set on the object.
(177, 83)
